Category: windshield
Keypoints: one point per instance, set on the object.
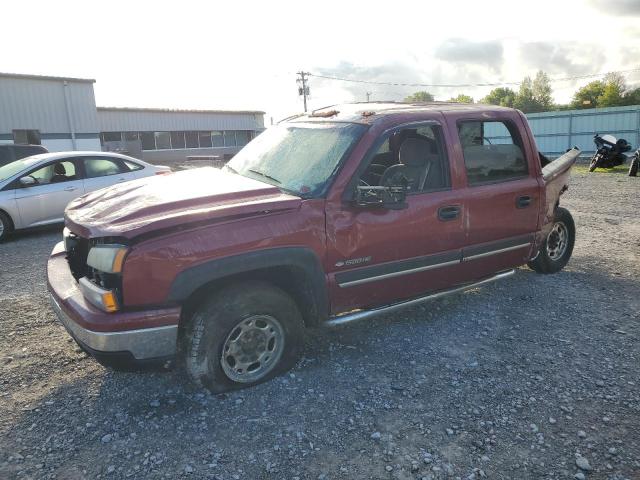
(10, 169)
(297, 157)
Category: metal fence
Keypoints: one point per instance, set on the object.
(555, 132)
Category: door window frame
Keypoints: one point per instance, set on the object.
(16, 185)
(350, 190)
(511, 126)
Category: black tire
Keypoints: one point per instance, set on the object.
(6, 226)
(594, 164)
(634, 167)
(215, 324)
(552, 258)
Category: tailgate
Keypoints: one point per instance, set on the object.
(556, 179)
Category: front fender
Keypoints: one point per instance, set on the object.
(309, 277)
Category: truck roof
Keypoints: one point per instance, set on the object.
(370, 112)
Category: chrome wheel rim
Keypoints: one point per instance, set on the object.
(557, 241)
(1, 228)
(252, 349)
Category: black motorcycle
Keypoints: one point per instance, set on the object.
(610, 152)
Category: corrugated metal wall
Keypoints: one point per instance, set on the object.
(115, 120)
(27, 103)
(555, 132)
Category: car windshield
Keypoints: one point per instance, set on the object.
(297, 157)
(10, 169)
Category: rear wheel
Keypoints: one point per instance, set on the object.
(5, 226)
(556, 249)
(635, 166)
(244, 335)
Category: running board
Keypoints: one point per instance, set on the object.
(362, 314)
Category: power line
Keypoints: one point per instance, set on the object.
(461, 85)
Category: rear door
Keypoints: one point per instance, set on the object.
(104, 171)
(377, 255)
(502, 193)
(57, 183)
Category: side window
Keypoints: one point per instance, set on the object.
(132, 166)
(101, 167)
(415, 155)
(492, 152)
(55, 173)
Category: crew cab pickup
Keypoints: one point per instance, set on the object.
(326, 218)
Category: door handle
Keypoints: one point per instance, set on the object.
(70, 189)
(450, 212)
(523, 201)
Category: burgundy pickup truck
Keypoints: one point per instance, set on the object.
(330, 217)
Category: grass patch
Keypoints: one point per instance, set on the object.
(585, 169)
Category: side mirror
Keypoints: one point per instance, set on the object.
(27, 181)
(392, 197)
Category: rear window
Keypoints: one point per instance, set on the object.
(493, 152)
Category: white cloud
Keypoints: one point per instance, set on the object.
(202, 54)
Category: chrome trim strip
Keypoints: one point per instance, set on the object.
(360, 315)
(397, 274)
(142, 343)
(495, 252)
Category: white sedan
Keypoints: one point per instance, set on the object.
(35, 190)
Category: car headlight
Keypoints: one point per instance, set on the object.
(107, 258)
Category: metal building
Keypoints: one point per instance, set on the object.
(57, 112)
(160, 135)
(555, 132)
(60, 113)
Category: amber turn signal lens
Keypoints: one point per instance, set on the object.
(109, 301)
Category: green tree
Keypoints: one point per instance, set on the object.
(541, 90)
(419, 97)
(462, 98)
(587, 96)
(614, 90)
(502, 96)
(525, 100)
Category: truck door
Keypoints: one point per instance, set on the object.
(502, 193)
(378, 255)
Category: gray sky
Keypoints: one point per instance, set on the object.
(245, 55)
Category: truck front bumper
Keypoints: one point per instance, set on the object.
(121, 339)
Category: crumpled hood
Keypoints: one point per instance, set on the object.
(192, 196)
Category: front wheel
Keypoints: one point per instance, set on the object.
(635, 165)
(594, 163)
(556, 249)
(244, 335)
(5, 226)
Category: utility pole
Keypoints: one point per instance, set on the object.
(303, 88)
(368, 94)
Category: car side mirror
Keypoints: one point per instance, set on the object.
(27, 181)
(392, 197)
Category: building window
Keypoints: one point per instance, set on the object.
(131, 136)
(111, 137)
(229, 138)
(205, 139)
(148, 140)
(191, 139)
(27, 137)
(177, 140)
(243, 137)
(163, 140)
(216, 139)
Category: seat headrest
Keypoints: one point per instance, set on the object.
(59, 169)
(414, 152)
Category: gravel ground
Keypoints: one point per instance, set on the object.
(534, 377)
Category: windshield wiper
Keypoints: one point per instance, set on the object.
(265, 175)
